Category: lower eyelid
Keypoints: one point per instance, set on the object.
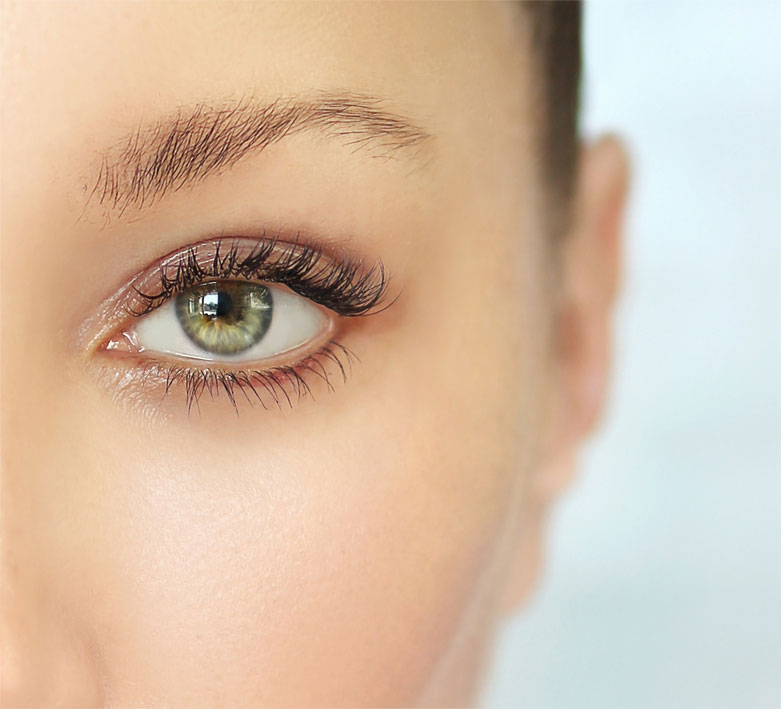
(273, 387)
(125, 346)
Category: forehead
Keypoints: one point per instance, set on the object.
(291, 46)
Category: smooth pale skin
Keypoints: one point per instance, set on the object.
(355, 550)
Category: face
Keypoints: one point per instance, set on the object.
(282, 389)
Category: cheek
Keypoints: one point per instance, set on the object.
(330, 572)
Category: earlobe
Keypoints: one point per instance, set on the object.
(529, 553)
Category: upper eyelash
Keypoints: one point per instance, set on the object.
(344, 286)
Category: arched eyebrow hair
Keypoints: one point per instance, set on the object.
(184, 148)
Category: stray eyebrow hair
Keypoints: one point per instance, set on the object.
(182, 149)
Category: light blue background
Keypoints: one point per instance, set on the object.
(663, 587)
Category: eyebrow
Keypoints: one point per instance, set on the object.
(182, 149)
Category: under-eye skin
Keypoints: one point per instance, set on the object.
(247, 319)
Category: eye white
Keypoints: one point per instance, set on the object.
(294, 322)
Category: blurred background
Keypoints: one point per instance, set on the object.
(663, 586)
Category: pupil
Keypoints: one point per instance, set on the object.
(216, 304)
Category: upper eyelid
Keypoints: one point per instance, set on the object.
(343, 283)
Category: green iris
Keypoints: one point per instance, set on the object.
(225, 317)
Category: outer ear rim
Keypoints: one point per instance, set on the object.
(601, 196)
(593, 275)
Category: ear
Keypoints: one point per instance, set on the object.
(590, 269)
(591, 265)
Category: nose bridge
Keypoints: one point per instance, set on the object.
(43, 658)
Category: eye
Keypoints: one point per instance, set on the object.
(230, 321)
(262, 317)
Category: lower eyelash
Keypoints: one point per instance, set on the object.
(276, 386)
